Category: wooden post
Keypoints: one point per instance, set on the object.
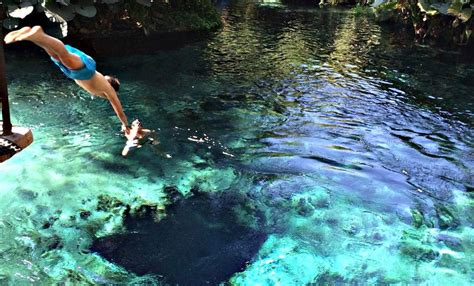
(7, 125)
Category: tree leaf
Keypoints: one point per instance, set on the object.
(59, 15)
(11, 8)
(455, 8)
(379, 2)
(468, 34)
(20, 11)
(423, 5)
(64, 2)
(146, 3)
(10, 23)
(58, 30)
(86, 11)
(64, 28)
(39, 8)
(110, 1)
(441, 7)
(465, 15)
(432, 12)
(84, 3)
(26, 4)
(455, 23)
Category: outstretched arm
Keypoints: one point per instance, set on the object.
(99, 86)
(117, 106)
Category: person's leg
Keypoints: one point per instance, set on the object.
(53, 55)
(54, 47)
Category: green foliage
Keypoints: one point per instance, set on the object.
(358, 3)
(147, 14)
(443, 19)
(448, 21)
(176, 15)
(360, 10)
(454, 8)
(384, 10)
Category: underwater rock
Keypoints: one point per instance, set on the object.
(51, 220)
(329, 278)
(418, 251)
(332, 221)
(351, 229)
(199, 242)
(414, 245)
(469, 188)
(377, 236)
(304, 208)
(143, 211)
(173, 194)
(321, 202)
(84, 214)
(417, 218)
(450, 241)
(106, 203)
(452, 259)
(75, 277)
(52, 242)
(26, 194)
(446, 219)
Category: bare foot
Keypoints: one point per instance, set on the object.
(10, 37)
(25, 33)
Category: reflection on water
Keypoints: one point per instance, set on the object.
(347, 144)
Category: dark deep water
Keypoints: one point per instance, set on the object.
(332, 150)
(200, 236)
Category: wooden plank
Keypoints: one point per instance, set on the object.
(21, 137)
(6, 124)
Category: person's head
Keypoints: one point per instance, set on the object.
(136, 123)
(114, 82)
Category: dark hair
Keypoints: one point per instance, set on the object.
(114, 82)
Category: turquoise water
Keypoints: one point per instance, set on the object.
(343, 143)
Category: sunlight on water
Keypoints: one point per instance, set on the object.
(342, 143)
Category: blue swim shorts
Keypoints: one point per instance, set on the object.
(85, 73)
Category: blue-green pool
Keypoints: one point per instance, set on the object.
(346, 146)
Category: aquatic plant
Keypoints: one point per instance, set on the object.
(147, 15)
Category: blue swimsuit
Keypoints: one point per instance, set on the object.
(84, 73)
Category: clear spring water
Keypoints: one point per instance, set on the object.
(344, 143)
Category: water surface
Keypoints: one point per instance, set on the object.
(348, 146)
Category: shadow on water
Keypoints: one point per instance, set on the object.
(199, 242)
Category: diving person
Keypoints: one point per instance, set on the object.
(75, 65)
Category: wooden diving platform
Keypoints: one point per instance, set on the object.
(18, 140)
(13, 139)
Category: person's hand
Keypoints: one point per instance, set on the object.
(129, 145)
(125, 129)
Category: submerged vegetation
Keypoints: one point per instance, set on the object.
(103, 16)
